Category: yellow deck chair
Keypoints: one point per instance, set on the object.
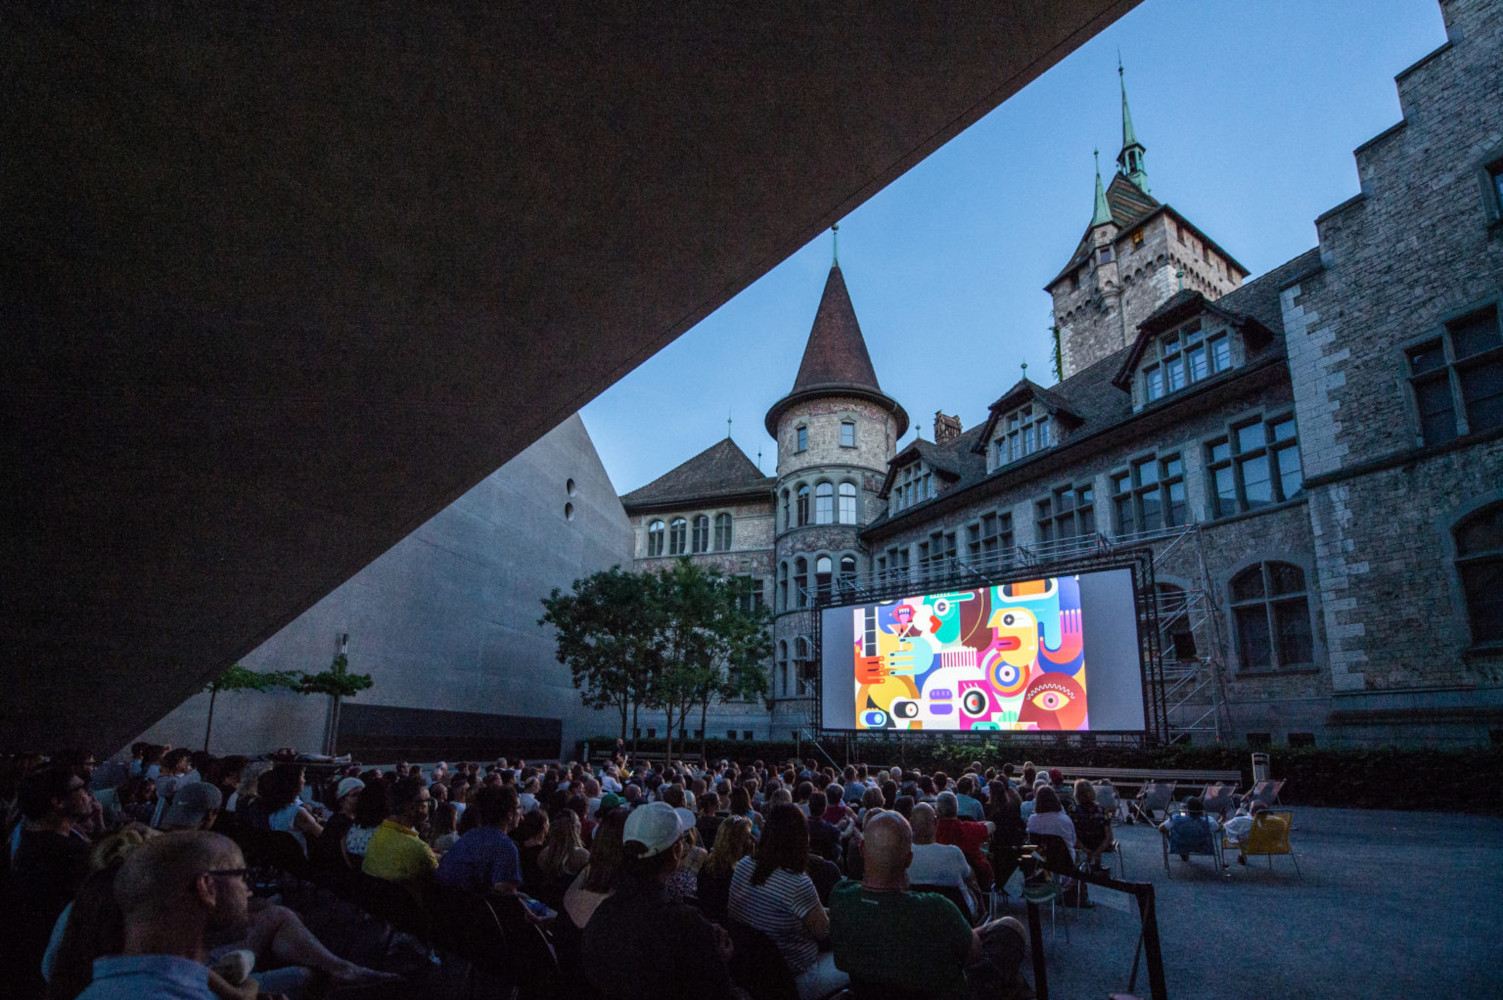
(1269, 836)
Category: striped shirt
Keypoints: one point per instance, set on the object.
(777, 908)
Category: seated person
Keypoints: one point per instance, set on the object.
(1049, 817)
(1093, 828)
(733, 841)
(939, 864)
(824, 838)
(485, 859)
(965, 796)
(1190, 832)
(54, 802)
(886, 936)
(640, 946)
(396, 852)
(964, 834)
(774, 894)
(1253, 835)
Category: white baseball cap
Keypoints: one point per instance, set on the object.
(657, 826)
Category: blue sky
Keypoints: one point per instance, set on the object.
(1249, 112)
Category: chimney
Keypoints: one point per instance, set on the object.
(946, 428)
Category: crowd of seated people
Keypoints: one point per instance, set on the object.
(786, 851)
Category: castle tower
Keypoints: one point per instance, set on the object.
(836, 431)
(1135, 254)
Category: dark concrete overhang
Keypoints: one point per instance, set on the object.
(280, 282)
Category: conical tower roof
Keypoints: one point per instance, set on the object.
(836, 362)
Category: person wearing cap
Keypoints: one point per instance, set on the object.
(194, 807)
(329, 849)
(640, 945)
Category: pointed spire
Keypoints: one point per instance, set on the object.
(1130, 160)
(836, 362)
(1103, 214)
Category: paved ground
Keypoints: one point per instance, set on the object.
(1392, 904)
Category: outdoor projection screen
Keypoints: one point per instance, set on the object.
(1058, 654)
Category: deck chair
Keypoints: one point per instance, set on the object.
(1266, 792)
(1108, 799)
(1269, 836)
(1155, 796)
(1188, 837)
(1220, 799)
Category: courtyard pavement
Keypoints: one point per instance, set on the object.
(1392, 904)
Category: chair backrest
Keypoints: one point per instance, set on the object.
(1267, 791)
(1219, 798)
(757, 966)
(1158, 795)
(532, 955)
(1190, 835)
(465, 924)
(1269, 834)
(1106, 795)
(951, 892)
(1055, 851)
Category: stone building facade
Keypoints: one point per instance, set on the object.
(1314, 456)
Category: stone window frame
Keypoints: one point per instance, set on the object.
(1136, 491)
(824, 502)
(699, 534)
(848, 422)
(985, 549)
(724, 531)
(1489, 172)
(1451, 369)
(846, 581)
(781, 597)
(657, 535)
(824, 589)
(1021, 427)
(1235, 460)
(678, 536)
(800, 578)
(801, 505)
(787, 508)
(1310, 595)
(1051, 514)
(840, 502)
(800, 438)
(1158, 358)
(782, 682)
(1461, 561)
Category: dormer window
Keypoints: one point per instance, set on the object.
(1184, 357)
(915, 484)
(1023, 432)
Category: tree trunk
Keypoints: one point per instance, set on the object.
(208, 728)
(623, 718)
(668, 718)
(704, 732)
(636, 727)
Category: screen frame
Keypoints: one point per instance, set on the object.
(1139, 563)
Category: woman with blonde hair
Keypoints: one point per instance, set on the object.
(733, 841)
(563, 854)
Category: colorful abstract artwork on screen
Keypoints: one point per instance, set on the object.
(1009, 657)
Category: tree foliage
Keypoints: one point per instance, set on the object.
(337, 680)
(672, 640)
(239, 678)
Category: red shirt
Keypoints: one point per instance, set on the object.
(969, 837)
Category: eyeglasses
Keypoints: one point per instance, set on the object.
(243, 874)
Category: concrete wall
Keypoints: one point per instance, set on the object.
(447, 618)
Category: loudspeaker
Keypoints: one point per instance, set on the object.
(1184, 645)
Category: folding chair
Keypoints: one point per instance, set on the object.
(1269, 836)
(1048, 890)
(1191, 835)
(1110, 802)
(1220, 799)
(1266, 792)
(1155, 796)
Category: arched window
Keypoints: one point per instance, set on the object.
(701, 533)
(801, 665)
(847, 503)
(824, 504)
(803, 504)
(1271, 611)
(801, 582)
(1479, 563)
(722, 532)
(655, 538)
(787, 512)
(783, 587)
(823, 568)
(847, 572)
(783, 679)
(678, 536)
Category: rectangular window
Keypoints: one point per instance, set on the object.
(1185, 357)
(1137, 240)
(1457, 379)
(803, 439)
(847, 434)
(1067, 513)
(1022, 432)
(1104, 255)
(746, 734)
(1149, 495)
(1257, 464)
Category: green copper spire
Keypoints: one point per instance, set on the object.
(1103, 214)
(1130, 160)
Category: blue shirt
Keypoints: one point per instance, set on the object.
(970, 808)
(479, 860)
(130, 977)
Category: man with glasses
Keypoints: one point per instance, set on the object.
(54, 801)
(397, 852)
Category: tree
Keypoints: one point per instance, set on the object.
(238, 678)
(735, 650)
(606, 634)
(338, 683)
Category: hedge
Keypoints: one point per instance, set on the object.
(1465, 780)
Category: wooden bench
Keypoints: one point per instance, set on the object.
(1135, 778)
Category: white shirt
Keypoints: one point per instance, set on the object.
(938, 864)
(1057, 823)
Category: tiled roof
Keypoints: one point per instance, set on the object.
(721, 470)
(1090, 393)
(835, 358)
